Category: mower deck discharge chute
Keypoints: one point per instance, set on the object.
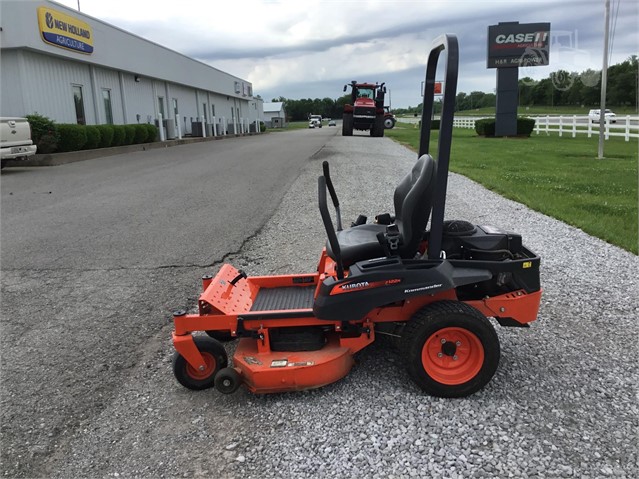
(431, 290)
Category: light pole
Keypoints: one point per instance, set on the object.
(604, 80)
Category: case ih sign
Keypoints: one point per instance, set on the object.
(518, 44)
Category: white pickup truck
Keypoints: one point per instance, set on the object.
(15, 140)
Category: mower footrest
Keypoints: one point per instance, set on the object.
(292, 297)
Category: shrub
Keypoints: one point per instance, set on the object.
(43, 133)
(118, 135)
(141, 134)
(106, 135)
(486, 126)
(48, 143)
(129, 134)
(262, 126)
(93, 137)
(152, 132)
(525, 126)
(72, 137)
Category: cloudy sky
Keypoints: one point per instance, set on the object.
(310, 49)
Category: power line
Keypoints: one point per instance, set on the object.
(614, 26)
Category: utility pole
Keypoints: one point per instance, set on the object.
(604, 81)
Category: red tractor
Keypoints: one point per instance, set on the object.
(366, 110)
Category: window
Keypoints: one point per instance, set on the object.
(212, 111)
(161, 106)
(175, 108)
(79, 105)
(108, 111)
(238, 87)
(205, 110)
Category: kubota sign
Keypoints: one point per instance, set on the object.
(518, 44)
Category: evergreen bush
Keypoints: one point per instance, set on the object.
(44, 133)
(152, 133)
(72, 137)
(93, 137)
(106, 135)
(118, 135)
(129, 134)
(141, 134)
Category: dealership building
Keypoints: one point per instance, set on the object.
(74, 68)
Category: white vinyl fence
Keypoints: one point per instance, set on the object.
(626, 127)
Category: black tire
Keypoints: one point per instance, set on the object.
(3, 163)
(221, 336)
(450, 349)
(347, 125)
(215, 357)
(378, 127)
(389, 123)
(227, 380)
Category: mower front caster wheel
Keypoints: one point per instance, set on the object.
(450, 349)
(215, 358)
(227, 380)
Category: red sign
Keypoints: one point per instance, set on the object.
(438, 88)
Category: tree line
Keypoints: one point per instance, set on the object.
(559, 88)
(583, 89)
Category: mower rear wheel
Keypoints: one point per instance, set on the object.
(215, 358)
(450, 349)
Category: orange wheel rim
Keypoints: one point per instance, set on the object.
(209, 362)
(452, 356)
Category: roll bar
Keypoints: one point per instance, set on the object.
(449, 43)
(331, 190)
(328, 223)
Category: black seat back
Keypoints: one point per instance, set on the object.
(413, 203)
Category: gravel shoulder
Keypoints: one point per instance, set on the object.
(562, 404)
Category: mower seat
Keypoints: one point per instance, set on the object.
(413, 203)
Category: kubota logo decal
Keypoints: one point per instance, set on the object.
(362, 285)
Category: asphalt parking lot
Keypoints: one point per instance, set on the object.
(87, 384)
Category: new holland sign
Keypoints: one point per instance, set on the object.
(65, 31)
(518, 44)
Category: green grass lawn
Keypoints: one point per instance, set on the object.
(557, 176)
(291, 125)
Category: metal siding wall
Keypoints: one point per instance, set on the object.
(115, 49)
(187, 105)
(10, 85)
(48, 85)
(140, 100)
